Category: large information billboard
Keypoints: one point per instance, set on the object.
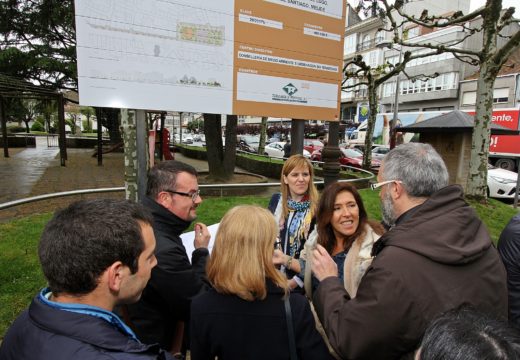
(279, 58)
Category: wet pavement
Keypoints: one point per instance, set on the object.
(37, 171)
(22, 170)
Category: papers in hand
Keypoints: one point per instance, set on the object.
(188, 237)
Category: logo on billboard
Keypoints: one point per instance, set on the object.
(290, 89)
(289, 97)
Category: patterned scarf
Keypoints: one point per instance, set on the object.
(299, 222)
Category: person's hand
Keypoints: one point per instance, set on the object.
(322, 264)
(202, 236)
(279, 258)
(292, 284)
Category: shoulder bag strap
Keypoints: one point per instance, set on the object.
(290, 329)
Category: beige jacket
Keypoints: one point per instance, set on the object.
(356, 264)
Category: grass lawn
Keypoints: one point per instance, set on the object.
(21, 277)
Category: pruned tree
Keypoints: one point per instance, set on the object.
(498, 42)
(372, 78)
(263, 135)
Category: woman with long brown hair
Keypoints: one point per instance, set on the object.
(346, 232)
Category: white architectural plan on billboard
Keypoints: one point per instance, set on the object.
(150, 54)
(229, 56)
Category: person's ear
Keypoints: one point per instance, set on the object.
(285, 180)
(397, 190)
(162, 198)
(115, 275)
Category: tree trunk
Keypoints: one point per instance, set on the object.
(128, 126)
(371, 120)
(27, 130)
(477, 175)
(263, 133)
(214, 148)
(110, 120)
(230, 150)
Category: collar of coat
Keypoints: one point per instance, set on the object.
(444, 229)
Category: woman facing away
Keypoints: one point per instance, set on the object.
(347, 234)
(243, 316)
(294, 209)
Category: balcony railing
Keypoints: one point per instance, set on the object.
(369, 44)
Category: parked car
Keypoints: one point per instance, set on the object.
(379, 151)
(187, 139)
(349, 157)
(501, 183)
(312, 145)
(248, 143)
(275, 149)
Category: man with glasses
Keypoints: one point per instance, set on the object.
(436, 256)
(172, 196)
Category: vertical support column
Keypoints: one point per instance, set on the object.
(3, 120)
(99, 115)
(297, 134)
(330, 155)
(62, 140)
(128, 130)
(180, 127)
(160, 134)
(142, 152)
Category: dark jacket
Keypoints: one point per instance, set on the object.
(43, 332)
(174, 281)
(509, 249)
(438, 258)
(232, 328)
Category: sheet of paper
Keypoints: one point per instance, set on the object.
(188, 237)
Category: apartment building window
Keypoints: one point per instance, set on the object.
(365, 43)
(413, 32)
(421, 61)
(370, 58)
(388, 89)
(469, 98)
(361, 91)
(442, 82)
(350, 44)
(500, 95)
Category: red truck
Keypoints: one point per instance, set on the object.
(504, 150)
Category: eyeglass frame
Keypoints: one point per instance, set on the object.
(376, 186)
(193, 194)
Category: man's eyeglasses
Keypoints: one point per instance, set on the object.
(193, 194)
(382, 183)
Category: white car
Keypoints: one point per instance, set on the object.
(501, 183)
(275, 149)
(379, 152)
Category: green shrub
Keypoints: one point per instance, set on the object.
(16, 129)
(37, 126)
(87, 126)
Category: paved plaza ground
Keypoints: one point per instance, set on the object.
(36, 171)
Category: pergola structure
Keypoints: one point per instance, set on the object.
(11, 87)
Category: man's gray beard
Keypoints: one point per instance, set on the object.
(387, 210)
